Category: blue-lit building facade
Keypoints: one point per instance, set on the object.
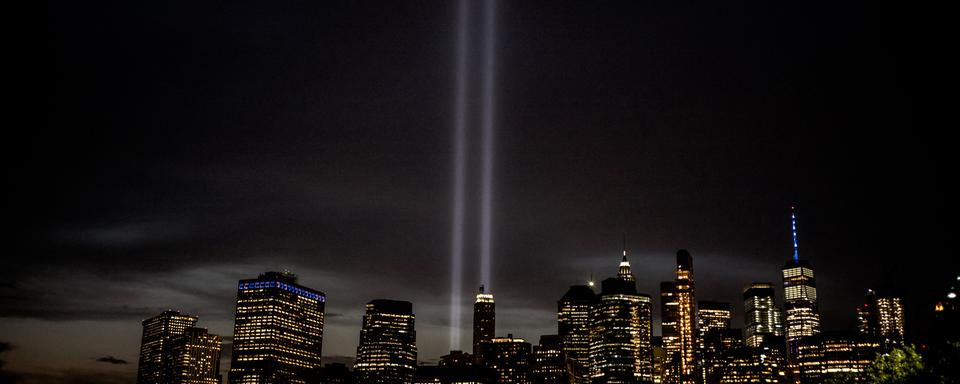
(278, 330)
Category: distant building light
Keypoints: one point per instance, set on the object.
(951, 295)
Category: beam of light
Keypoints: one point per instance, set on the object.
(486, 203)
(459, 175)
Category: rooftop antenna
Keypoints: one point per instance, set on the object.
(793, 225)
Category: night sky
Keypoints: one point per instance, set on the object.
(187, 145)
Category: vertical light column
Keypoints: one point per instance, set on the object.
(459, 174)
(486, 203)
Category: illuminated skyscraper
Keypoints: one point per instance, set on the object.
(573, 327)
(194, 358)
(621, 349)
(882, 316)
(712, 315)
(155, 344)
(686, 317)
(761, 315)
(547, 361)
(484, 320)
(659, 359)
(388, 344)
(716, 343)
(800, 296)
(669, 319)
(278, 330)
(510, 357)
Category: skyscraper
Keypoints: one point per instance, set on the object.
(761, 315)
(278, 330)
(484, 320)
(547, 366)
(713, 318)
(510, 357)
(712, 315)
(155, 344)
(388, 344)
(686, 320)
(670, 331)
(573, 327)
(800, 296)
(621, 349)
(882, 316)
(194, 358)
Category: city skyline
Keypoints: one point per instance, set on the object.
(185, 146)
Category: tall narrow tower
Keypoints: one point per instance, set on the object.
(484, 320)
(686, 317)
(621, 349)
(800, 296)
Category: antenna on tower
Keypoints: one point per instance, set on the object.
(793, 227)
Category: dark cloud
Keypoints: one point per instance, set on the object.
(111, 360)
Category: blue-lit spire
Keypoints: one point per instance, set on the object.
(793, 224)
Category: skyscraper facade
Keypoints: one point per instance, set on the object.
(881, 316)
(621, 349)
(510, 357)
(155, 344)
(712, 315)
(670, 331)
(547, 362)
(800, 296)
(278, 330)
(484, 319)
(573, 327)
(713, 319)
(194, 358)
(388, 343)
(686, 317)
(761, 315)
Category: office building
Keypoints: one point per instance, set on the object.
(762, 317)
(388, 344)
(484, 319)
(621, 349)
(509, 357)
(155, 343)
(278, 330)
(573, 327)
